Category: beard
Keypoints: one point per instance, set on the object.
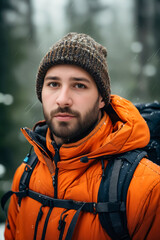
(71, 132)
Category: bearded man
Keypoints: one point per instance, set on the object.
(84, 128)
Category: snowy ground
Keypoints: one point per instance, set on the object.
(1, 231)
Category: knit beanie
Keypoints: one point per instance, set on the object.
(81, 50)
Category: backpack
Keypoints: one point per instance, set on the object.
(151, 113)
(111, 204)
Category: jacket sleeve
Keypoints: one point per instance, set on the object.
(154, 212)
(143, 203)
(13, 209)
(149, 221)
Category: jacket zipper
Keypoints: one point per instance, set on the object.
(56, 160)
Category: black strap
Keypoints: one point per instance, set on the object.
(62, 224)
(31, 161)
(73, 224)
(118, 219)
(60, 203)
(114, 179)
(91, 207)
(4, 200)
(40, 213)
(135, 157)
(46, 224)
(115, 217)
(8, 194)
(114, 188)
(99, 207)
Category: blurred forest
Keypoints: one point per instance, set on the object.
(130, 29)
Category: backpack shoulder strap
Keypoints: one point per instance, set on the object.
(31, 161)
(113, 189)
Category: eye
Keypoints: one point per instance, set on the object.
(53, 84)
(80, 85)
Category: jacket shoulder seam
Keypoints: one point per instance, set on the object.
(154, 169)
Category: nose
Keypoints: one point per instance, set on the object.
(64, 98)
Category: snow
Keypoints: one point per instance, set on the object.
(2, 231)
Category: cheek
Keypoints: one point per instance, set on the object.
(85, 103)
(46, 104)
(48, 98)
(43, 94)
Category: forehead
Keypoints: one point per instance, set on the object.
(69, 71)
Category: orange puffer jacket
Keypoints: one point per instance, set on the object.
(80, 181)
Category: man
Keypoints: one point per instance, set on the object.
(74, 87)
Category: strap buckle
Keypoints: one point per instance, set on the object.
(94, 208)
(27, 168)
(46, 202)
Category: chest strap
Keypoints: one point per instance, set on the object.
(91, 207)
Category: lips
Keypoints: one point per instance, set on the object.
(64, 117)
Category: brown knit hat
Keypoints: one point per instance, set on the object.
(81, 50)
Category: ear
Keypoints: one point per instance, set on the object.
(101, 102)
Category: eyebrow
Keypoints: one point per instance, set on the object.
(51, 78)
(78, 79)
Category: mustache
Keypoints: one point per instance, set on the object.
(64, 110)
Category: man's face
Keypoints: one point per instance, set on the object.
(71, 102)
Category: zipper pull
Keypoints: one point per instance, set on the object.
(53, 180)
